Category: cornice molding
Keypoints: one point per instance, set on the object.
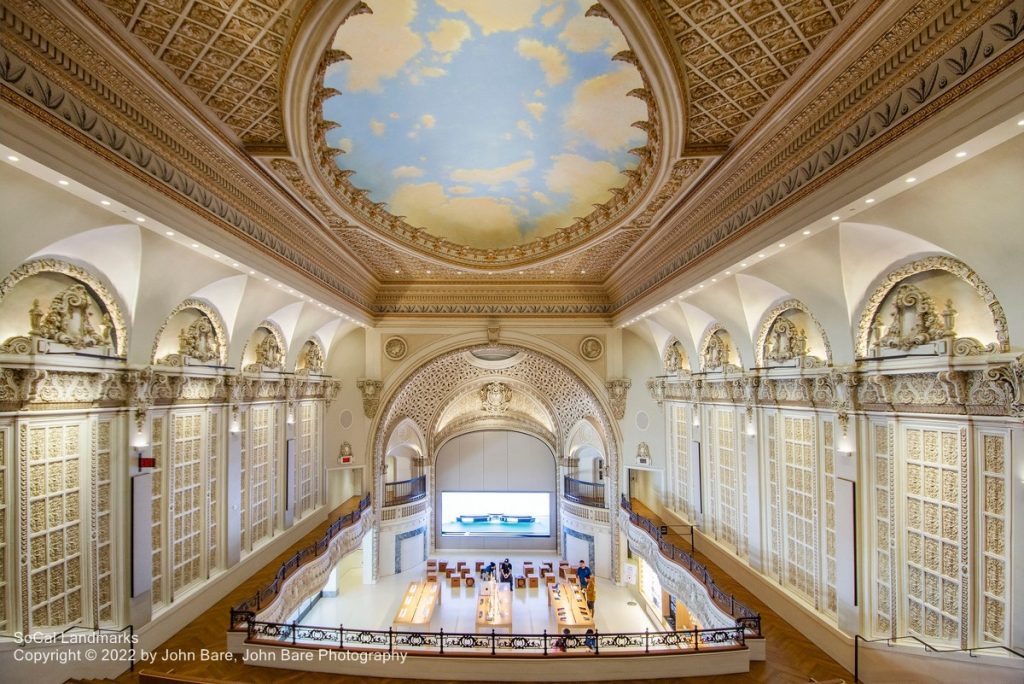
(905, 77)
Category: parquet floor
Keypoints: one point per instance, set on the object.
(791, 657)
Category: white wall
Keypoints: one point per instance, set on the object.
(494, 461)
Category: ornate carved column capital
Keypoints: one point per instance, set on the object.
(656, 388)
(331, 390)
(1011, 377)
(29, 380)
(617, 391)
(371, 395)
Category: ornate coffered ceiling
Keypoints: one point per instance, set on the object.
(752, 105)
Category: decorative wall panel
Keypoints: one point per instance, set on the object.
(882, 476)
(800, 521)
(724, 486)
(828, 451)
(157, 508)
(994, 538)
(186, 499)
(932, 472)
(52, 534)
(307, 461)
(681, 448)
(259, 473)
(774, 500)
(244, 478)
(213, 480)
(5, 517)
(102, 520)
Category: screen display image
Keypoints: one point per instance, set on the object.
(496, 514)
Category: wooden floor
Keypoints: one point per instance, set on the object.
(791, 657)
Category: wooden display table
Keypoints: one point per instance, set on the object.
(417, 607)
(569, 605)
(503, 616)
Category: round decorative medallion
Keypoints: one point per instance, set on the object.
(395, 348)
(643, 420)
(591, 348)
(346, 419)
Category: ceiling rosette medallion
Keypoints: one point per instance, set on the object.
(572, 145)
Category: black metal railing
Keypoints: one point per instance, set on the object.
(441, 642)
(406, 491)
(891, 641)
(586, 493)
(245, 612)
(744, 616)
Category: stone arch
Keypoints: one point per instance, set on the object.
(95, 286)
(712, 331)
(273, 329)
(421, 392)
(950, 265)
(208, 310)
(773, 314)
(304, 363)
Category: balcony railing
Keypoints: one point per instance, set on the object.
(245, 612)
(744, 616)
(586, 493)
(398, 493)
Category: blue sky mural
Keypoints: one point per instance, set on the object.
(487, 122)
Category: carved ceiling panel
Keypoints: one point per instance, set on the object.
(737, 54)
(227, 51)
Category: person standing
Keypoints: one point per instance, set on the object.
(583, 574)
(505, 573)
(591, 594)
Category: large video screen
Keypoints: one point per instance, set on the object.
(495, 514)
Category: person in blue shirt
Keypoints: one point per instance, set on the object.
(590, 640)
(583, 573)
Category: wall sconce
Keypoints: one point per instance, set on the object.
(696, 420)
(291, 418)
(235, 427)
(751, 431)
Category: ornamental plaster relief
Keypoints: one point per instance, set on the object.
(204, 340)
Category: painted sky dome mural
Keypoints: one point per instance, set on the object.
(486, 122)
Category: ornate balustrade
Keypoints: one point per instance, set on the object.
(586, 493)
(405, 491)
(745, 618)
(502, 645)
(245, 612)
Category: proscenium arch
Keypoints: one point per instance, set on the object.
(419, 394)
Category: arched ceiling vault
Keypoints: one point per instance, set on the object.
(750, 106)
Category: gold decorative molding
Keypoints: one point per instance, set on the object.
(768, 321)
(933, 263)
(52, 322)
(269, 352)
(716, 351)
(311, 358)
(370, 390)
(208, 312)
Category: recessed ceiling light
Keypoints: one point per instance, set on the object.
(1021, 122)
(744, 264)
(728, 273)
(869, 200)
(428, 271)
(690, 292)
(807, 232)
(714, 280)
(761, 256)
(910, 180)
(216, 256)
(702, 286)
(235, 264)
(520, 273)
(280, 285)
(13, 158)
(397, 271)
(266, 280)
(252, 272)
(62, 182)
(194, 244)
(781, 245)
(140, 219)
(961, 154)
(105, 203)
(290, 290)
(583, 271)
(835, 218)
(169, 233)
